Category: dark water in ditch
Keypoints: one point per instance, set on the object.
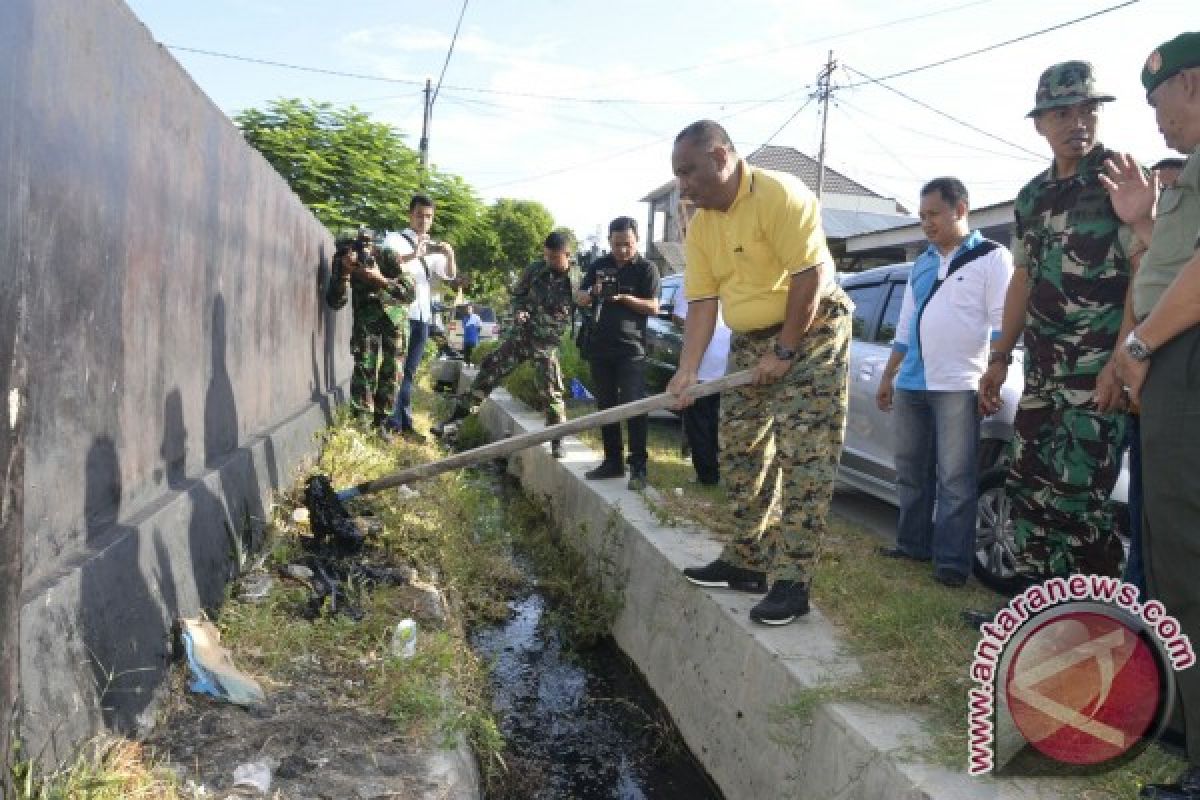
(581, 725)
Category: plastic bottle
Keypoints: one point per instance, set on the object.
(404, 639)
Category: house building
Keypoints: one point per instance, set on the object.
(848, 209)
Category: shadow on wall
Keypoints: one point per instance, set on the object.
(118, 605)
(324, 378)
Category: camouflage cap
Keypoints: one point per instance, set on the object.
(1066, 84)
(1170, 58)
(346, 237)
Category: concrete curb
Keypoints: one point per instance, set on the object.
(724, 679)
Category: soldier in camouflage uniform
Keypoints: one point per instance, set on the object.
(541, 303)
(758, 247)
(382, 290)
(1073, 259)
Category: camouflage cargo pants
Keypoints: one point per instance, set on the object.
(1065, 462)
(780, 444)
(376, 350)
(512, 352)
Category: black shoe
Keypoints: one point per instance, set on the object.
(459, 413)
(897, 553)
(413, 435)
(637, 479)
(707, 480)
(556, 448)
(723, 575)
(950, 578)
(1187, 788)
(786, 601)
(607, 469)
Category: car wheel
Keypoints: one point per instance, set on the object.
(995, 562)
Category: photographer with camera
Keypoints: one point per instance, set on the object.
(382, 292)
(623, 288)
(426, 261)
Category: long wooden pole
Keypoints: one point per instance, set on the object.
(506, 447)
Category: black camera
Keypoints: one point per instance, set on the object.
(607, 281)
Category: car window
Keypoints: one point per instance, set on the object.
(891, 315)
(866, 306)
(666, 295)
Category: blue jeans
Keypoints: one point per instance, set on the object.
(937, 439)
(418, 333)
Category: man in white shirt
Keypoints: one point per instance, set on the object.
(425, 260)
(953, 307)
(701, 418)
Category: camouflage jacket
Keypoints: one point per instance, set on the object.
(372, 305)
(1076, 252)
(545, 294)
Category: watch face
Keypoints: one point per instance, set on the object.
(1137, 350)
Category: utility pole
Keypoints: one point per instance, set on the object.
(425, 128)
(823, 92)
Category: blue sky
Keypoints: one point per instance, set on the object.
(574, 104)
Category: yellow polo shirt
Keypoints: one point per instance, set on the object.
(746, 256)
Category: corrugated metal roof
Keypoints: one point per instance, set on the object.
(840, 224)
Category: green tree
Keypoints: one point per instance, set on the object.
(351, 170)
(348, 169)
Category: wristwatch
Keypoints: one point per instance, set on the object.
(784, 353)
(999, 357)
(1136, 348)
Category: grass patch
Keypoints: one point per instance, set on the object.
(107, 768)
(903, 628)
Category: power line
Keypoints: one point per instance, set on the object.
(796, 45)
(998, 45)
(843, 102)
(940, 113)
(449, 52)
(895, 158)
(473, 89)
(788, 121)
(625, 151)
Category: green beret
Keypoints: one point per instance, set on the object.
(1180, 53)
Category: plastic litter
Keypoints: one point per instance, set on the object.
(255, 775)
(404, 639)
(212, 668)
(406, 493)
(256, 587)
(579, 391)
(300, 515)
(679, 491)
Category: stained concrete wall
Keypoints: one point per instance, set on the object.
(179, 355)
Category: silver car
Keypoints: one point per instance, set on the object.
(867, 462)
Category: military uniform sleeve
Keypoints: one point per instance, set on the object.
(520, 291)
(589, 278)
(792, 225)
(698, 280)
(401, 286)
(1019, 251)
(335, 291)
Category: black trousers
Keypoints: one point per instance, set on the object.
(619, 380)
(1171, 502)
(700, 421)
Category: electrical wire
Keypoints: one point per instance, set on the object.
(449, 52)
(939, 112)
(788, 121)
(936, 137)
(998, 45)
(796, 45)
(866, 132)
(473, 89)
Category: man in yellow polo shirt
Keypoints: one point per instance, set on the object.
(756, 245)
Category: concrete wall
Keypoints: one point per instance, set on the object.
(179, 355)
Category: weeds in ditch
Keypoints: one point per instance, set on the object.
(107, 768)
